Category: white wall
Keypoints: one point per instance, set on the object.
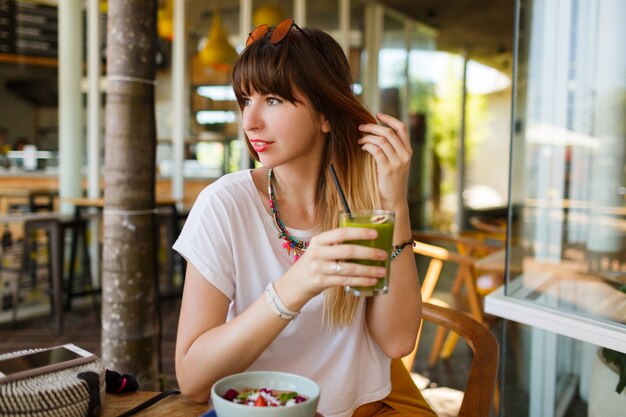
(490, 165)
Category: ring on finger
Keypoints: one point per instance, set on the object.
(337, 268)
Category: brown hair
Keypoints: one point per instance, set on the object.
(298, 64)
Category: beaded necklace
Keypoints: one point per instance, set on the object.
(289, 242)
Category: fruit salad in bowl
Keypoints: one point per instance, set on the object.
(265, 393)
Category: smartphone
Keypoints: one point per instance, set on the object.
(43, 361)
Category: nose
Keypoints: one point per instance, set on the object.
(251, 117)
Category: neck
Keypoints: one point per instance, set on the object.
(296, 200)
(298, 186)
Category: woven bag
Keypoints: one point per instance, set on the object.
(78, 391)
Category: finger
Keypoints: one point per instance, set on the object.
(341, 234)
(388, 133)
(336, 268)
(351, 251)
(387, 157)
(354, 282)
(383, 164)
(378, 130)
(355, 270)
(386, 146)
(396, 125)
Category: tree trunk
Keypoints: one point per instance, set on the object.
(130, 331)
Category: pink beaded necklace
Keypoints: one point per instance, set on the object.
(289, 242)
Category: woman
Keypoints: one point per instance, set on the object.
(263, 245)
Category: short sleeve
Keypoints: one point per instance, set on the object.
(205, 241)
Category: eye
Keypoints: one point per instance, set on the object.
(246, 101)
(273, 101)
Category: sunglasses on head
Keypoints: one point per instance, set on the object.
(278, 33)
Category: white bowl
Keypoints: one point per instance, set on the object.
(265, 379)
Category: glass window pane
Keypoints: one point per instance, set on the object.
(357, 42)
(212, 122)
(392, 64)
(420, 96)
(568, 246)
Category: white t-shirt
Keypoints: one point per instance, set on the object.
(233, 242)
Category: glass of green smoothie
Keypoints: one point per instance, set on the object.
(383, 221)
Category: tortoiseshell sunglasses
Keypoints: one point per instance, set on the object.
(277, 33)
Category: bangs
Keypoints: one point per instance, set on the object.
(266, 69)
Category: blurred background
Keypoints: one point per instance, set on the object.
(515, 110)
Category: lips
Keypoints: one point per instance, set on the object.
(260, 145)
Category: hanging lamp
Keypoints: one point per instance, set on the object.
(270, 14)
(218, 53)
(165, 21)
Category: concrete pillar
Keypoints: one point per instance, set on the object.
(179, 103)
(71, 141)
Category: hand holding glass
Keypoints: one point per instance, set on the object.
(382, 221)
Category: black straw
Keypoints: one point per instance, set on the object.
(341, 194)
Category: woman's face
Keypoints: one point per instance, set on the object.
(284, 132)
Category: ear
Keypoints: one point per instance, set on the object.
(325, 124)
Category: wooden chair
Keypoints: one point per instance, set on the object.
(467, 296)
(465, 245)
(438, 255)
(465, 242)
(481, 383)
(495, 227)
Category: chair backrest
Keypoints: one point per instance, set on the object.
(465, 243)
(481, 384)
(466, 275)
(463, 251)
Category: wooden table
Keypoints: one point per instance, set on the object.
(496, 262)
(172, 406)
(33, 198)
(99, 202)
(562, 204)
(489, 225)
(24, 217)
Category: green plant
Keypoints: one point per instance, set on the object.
(618, 359)
(443, 105)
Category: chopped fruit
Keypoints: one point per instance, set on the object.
(264, 397)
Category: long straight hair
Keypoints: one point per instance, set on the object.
(297, 65)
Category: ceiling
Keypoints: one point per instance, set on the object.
(482, 28)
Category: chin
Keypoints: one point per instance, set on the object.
(268, 162)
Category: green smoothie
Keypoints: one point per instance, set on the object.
(383, 222)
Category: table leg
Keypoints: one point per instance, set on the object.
(56, 253)
(74, 243)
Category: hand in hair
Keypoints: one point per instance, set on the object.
(391, 148)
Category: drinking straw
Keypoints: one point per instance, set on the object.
(339, 189)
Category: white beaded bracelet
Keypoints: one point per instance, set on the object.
(277, 305)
